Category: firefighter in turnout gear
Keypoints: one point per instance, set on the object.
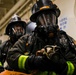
(49, 50)
(15, 29)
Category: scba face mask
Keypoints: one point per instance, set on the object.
(18, 31)
(47, 22)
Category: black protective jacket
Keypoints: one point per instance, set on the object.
(31, 44)
(4, 47)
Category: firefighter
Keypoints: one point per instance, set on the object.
(49, 51)
(15, 29)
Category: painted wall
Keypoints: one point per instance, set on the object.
(67, 19)
(3, 38)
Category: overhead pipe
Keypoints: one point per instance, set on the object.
(22, 7)
(7, 17)
(25, 11)
(22, 14)
(29, 8)
(16, 7)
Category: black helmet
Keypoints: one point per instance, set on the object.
(30, 27)
(14, 20)
(42, 5)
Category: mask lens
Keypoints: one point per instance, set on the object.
(47, 18)
(18, 30)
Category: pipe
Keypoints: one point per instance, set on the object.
(22, 7)
(6, 22)
(7, 17)
(24, 12)
(29, 8)
(16, 7)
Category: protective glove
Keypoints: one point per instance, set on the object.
(53, 53)
(47, 59)
(58, 62)
(50, 50)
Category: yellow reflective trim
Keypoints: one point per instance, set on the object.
(44, 7)
(21, 61)
(70, 68)
(53, 73)
(0, 64)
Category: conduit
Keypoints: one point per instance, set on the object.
(22, 7)
(25, 11)
(11, 12)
